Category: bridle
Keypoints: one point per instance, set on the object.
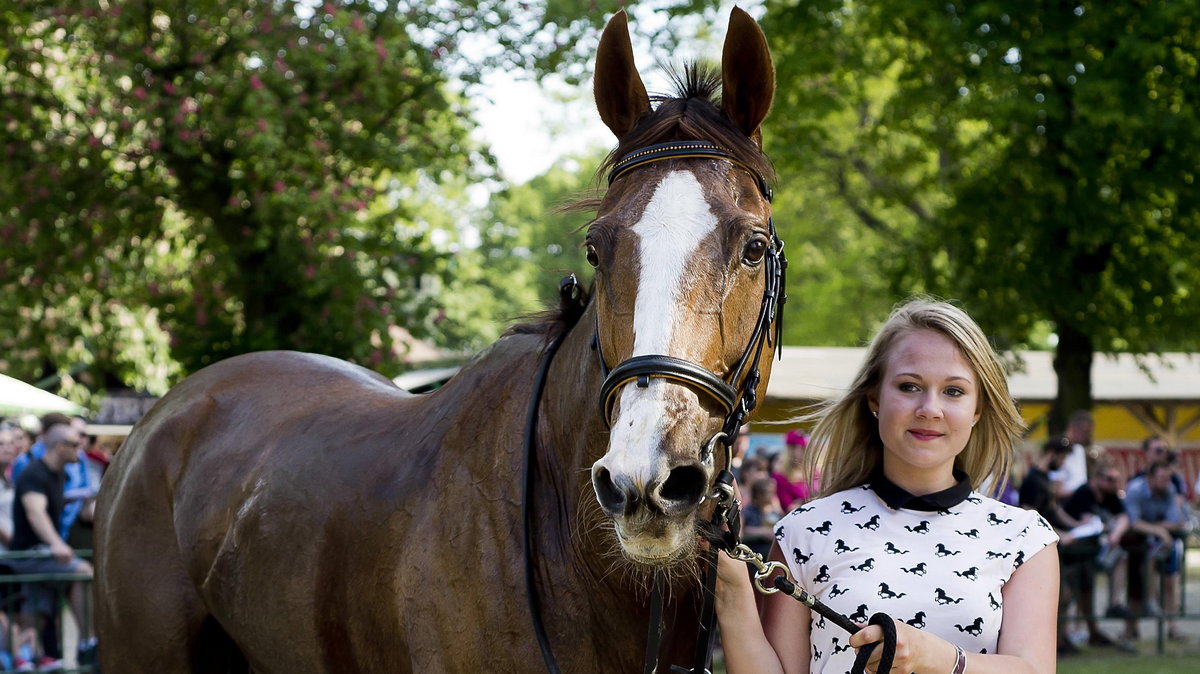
(736, 391)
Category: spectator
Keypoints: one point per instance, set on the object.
(80, 493)
(36, 510)
(793, 483)
(740, 444)
(1158, 527)
(23, 438)
(8, 452)
(755, 468)
(1098, 519)
(1074, 470)
(1038, 492)
(1156, 449)
(760, 516)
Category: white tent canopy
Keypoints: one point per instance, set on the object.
(17, 397)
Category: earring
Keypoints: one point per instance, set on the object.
(974, 422)
(876, 413)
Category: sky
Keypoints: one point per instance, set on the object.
(528, 129)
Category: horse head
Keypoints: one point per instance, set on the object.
(687, 284)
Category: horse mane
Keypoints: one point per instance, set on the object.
(692, 112)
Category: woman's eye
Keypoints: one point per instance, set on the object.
(592, 258)
(754, 252)
(909, 387)
(955, 392)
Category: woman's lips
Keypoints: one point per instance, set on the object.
(922, 434)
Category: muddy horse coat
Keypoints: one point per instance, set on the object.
(288, 513)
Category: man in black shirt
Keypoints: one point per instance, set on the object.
(37, 509)
(1098, 520)
(1037, 493)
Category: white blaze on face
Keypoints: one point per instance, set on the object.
(673, 224)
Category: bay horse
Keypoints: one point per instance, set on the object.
(281, 512)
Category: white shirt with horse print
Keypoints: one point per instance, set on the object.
(939, 570)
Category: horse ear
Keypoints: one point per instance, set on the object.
(747, 74)
(620, 95)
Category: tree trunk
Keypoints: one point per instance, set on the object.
(1073, 367)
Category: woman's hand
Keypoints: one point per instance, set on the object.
(916, 651)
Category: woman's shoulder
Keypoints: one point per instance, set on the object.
(1012, 522)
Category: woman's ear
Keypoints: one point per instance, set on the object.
(873, 404)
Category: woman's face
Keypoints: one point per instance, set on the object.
(8, 446)
(928, 400)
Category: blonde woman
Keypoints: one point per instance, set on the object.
(900, 527)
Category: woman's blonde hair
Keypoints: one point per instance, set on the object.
(845, 446)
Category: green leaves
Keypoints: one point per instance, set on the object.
(183, 182)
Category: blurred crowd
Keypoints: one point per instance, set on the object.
(50, 471)
(1124, 521)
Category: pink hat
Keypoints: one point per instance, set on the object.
(795, 437)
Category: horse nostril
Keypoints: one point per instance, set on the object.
(683, 489)
(613, 499)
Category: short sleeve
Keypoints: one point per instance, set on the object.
(1036, 535)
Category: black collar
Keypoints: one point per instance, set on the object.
(896, 497)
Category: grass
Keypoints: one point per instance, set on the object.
(1107, 663)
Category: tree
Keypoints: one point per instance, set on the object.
(1036, 161)
(187, 181)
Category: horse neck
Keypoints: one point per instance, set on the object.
(571, 437)
(575, 541)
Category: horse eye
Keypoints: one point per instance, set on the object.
(754, 252)
(592, 258)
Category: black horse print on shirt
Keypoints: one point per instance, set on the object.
(800, 557)
(969, 574)
(1019, 559)
(998, 555)
(996, 521)
(849, 509)
(824, 529)
(942, 598)
(836, 591)
(922, 528)
(885, 592)
(918, 621)
(972, 534)
(822, 574)
(943, 551)
(974, 629)
(918, 570)
(867, 565)
(860, 615)
(779, 533)
(891, 549)
(870, 525)
(837, 648)
(993, 603)
(840, 546)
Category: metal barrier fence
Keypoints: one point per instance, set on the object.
(35, 609)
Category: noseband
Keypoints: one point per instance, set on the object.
(736, 394)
